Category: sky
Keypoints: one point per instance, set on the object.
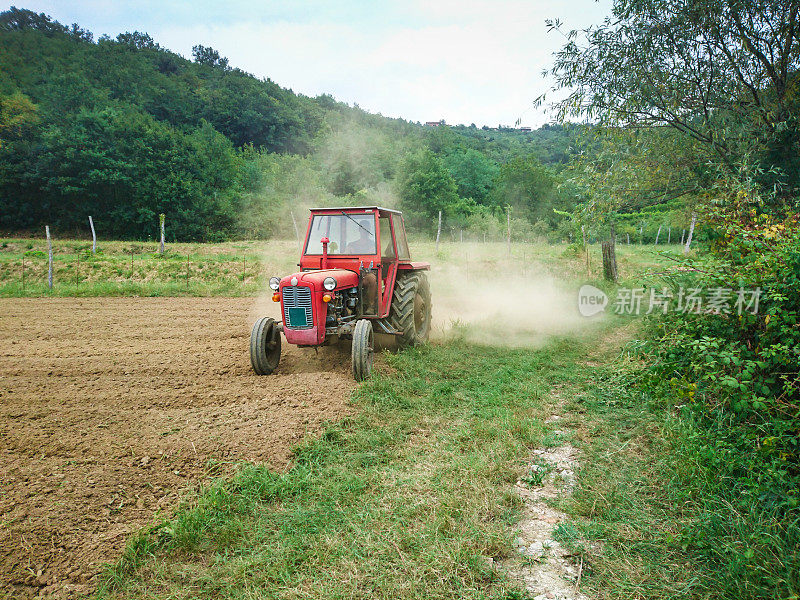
(465, 61)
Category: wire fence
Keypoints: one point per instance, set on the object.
(34, 271)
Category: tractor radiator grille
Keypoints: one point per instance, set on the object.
(297, 300)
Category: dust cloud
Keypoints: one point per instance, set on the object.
(487, 300)
(495, 308)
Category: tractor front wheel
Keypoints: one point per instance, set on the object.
(411, 309)
(265, 346)
(363, 349)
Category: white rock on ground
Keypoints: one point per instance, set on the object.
(544, 567)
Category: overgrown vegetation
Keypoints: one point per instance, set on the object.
(697, 100)
(671, 499)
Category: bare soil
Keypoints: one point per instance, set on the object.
(112, 408)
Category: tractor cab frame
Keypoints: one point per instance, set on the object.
(360, 239)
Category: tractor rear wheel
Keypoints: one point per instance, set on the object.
(411, 309)
(265, 346)
(363, 349)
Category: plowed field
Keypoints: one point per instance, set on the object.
(112, 408)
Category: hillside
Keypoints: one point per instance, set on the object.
(124, 129)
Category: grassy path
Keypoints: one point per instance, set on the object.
(406, 499)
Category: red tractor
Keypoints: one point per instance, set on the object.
(356, 279)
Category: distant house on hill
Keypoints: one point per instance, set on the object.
(525, 129)
(434, 123)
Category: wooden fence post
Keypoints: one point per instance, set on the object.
(94, 235)
(23, 272)
(438, 231)
(296, 231)
(49, 257)
(683, 234)
(586, 250)
(609, 249)
(691, 232)
(508, 231)
(161, 218)
(609, 261)
(669, 235)
(658, 235)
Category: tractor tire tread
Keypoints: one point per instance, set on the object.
(401, 315)
(263, 331)
(362, 363)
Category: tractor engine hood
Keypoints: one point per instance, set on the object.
(344, 278)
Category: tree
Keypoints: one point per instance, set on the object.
(206, 55)
(722, 72)
(529, 188)
(18, 116)
(426, 187)
(137, 40)
(473, 172)
(129, 167)
(15, 19)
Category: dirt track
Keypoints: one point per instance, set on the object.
(111, 407)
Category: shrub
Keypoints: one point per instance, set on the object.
(733, 381)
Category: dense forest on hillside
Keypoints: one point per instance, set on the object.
(123, 129)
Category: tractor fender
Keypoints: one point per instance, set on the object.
(414, 266)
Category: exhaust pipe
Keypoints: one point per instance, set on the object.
(324, 241)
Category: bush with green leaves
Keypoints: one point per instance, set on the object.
(732, 380)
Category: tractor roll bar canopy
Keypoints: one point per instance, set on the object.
(379, 208)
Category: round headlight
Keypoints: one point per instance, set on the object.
(329, 284)
(274, 283)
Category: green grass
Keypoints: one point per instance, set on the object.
(407, 498)
(243, 268)
(136, 269)
(650, 517)
(403, 500)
